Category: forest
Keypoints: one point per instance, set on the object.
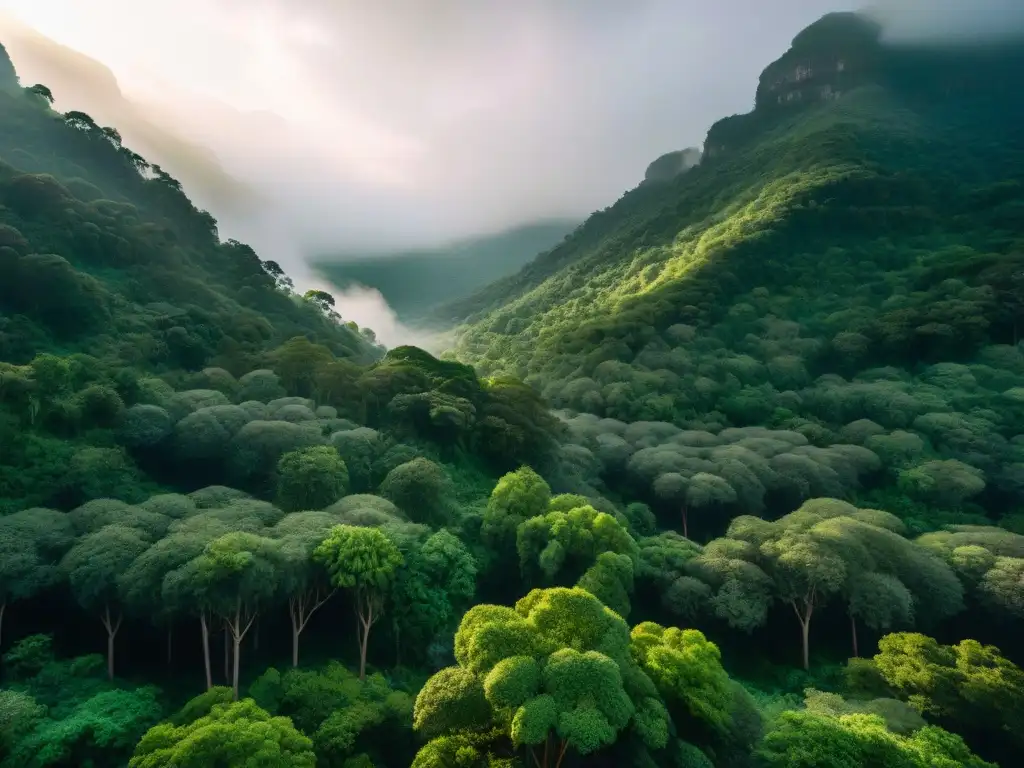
(731, 478)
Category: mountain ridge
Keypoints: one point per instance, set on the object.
(800, 140)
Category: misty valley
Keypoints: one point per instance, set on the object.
(728, 474)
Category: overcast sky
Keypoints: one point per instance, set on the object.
(308, 126)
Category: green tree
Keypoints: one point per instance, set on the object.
(364, 561)
(102, 727)
(561, 546)
(421, 489)
(552, 674)
(687, 670)
(311, 478)
(239, 733)
(238, 574)
(94, 567)
(434, 588)
(31, 544)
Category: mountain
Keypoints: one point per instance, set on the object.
(852, 249)
(789, 386)
(415, 282)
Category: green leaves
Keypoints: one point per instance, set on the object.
(452, 700)
(231, 734)
(311, 478)
(557, 665)
(362, 558)
(687, 670)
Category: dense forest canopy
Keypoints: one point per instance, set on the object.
(775, 519)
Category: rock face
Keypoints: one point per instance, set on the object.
(8, 75)
(838, 52)
(835, 54)
(670, 165)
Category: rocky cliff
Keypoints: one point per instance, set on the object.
(837, 53)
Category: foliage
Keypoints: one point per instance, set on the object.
(239, 733)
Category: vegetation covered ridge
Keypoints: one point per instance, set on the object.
(288, 549)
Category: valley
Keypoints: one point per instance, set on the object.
(728, 475)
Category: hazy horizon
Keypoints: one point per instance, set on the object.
(309, 126)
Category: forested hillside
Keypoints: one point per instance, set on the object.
(775, 522)
(846, 264)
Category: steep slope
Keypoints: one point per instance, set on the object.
(96, 245)
(853, 249)
(414, 282)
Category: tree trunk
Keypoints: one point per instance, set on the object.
(686, 524)
(561, 753)
(206, 650)
(853, 632)
(367, 616)
(238, 624)
(111, 627)
(363, 643)
(234, 666)
(301, 608)
(804, 617)
(227, 665)
(805, 629)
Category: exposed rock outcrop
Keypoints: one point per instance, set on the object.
(838, 52)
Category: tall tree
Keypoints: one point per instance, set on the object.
(94, 567)
(304, 580)
(31, 544)
(364, 561)
(239, 575)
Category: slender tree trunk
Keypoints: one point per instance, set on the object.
(561, 753)
(367, 616)
(804, 617)
(686, 524)
(206, 650)
(853, 633)
(805, 628)
(111, 626)
(238, 624)
(234, 666)
(227, 665)
(301, 608)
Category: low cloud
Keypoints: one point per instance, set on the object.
(949, 21)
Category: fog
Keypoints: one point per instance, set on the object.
(315, 126)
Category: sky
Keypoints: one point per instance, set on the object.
(323, 126)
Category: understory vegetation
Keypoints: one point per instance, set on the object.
(735, 478)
